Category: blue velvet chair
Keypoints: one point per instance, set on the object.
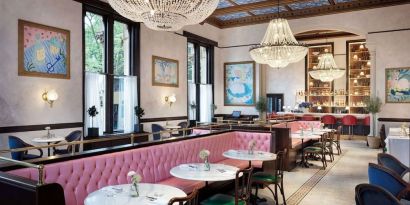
(389, 180)
(157, 128)
(368, 194)
(390, 162)
(183, 125)
(15, 143)
(73, 136)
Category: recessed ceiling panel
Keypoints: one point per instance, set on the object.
(342, 1)
(224, 4)
(269, 10)
(233, 16)
(246, 1)
(309, 4)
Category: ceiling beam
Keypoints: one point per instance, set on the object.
(252, 6)
(316, 36)
(316, 11)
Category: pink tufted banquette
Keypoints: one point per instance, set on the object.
(82, 176)
(297, 125)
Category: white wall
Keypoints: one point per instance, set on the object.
(391, 48)
(20, 96)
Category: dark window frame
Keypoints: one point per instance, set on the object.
(109, 16)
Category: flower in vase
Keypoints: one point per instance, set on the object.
(135, 178)
(204, 154)
(251, 144)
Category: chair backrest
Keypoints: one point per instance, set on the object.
(157, 128)
(330, 138)
(349, 120)
(280, 163)
(182, 125)
(368, 194)
(328, 119)
(243, 185)
(338, 132)
(308, 117)
(366, 121)
(191, 199)
(381, 176)
(392, 163)
(73, 136)
(15, 143)
(383, 137)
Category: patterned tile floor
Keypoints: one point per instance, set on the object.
(335, 185)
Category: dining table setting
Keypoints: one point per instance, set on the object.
(398, 144)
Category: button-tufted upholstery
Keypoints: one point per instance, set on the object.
(82, 176)
(296, 126)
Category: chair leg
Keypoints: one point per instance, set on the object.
(282, 191)
(276, 194)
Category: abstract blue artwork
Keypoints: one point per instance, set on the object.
(309, 4)
(233, 16)
(239, 85)
(165, 72)
(398, 85)
(44, 51)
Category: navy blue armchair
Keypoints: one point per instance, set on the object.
(72, 137)
(383, 177)
(183, 125)
(390, 162)
(157, 128)
(15, 143)
(368, 194)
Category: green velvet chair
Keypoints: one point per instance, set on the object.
(272, 176)
(329, 142)
(318, 151)
(242, 191)
(191, 199)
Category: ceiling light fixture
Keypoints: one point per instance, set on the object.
(279, 46)
(165, 15)
(327, 69)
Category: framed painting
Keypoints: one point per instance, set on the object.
(165, 72)
(43, 51)
(398, 85)
(239, 83)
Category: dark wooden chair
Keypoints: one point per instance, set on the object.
(368, 194)
(191, 199)
(329, 141)
(383, 138)
(336, 141)
(242, 191)
(319, 151)
(272, 177)
(390, 162)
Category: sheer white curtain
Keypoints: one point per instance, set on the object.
(192, 100)
(130, 101)
(206, 103)
(95, 96)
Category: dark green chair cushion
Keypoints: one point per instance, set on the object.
(221, 199)
(265, 177)
(313, 149)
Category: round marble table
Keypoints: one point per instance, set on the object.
(303, 162)
(196, 171)
(173, 127)
(244, 155)
(48, 141)
(119, 195)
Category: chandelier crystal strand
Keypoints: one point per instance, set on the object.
(165, 15)
(278, 47)
(327, 69)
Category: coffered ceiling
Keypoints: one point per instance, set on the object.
(231, 13)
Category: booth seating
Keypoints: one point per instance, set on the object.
(82, 176)
(296, 126)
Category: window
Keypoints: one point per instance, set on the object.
(200, 85)
(110, 83)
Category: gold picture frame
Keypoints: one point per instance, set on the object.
(43, 51)
(165, 72)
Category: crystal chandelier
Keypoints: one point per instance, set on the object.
(278, 47)
(327, 69)
(165, 15)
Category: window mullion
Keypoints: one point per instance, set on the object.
(109, 67)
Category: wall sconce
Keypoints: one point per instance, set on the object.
(170, 99)
(50, 97)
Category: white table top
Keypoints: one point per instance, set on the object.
(305, 136)
(196, 171)
(396, 131)
(244, 155)
(48, 140)
(119, 195)
(172, 127)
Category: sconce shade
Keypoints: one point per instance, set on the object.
(52, 95)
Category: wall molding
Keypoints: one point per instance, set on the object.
(394, 119)
(28, 128)
(160, 119)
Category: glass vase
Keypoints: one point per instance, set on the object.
(250, 151)
(207, 165)
(134, 192)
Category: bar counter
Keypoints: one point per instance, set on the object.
(319, 115)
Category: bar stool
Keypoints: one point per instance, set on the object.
(351, 121)
(366, 123)
(308, 117)
(329, 120)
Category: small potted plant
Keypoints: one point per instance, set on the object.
(92, 131)
(305, 106)
(261, 107)
(192, 120)
(135, 180)
(204, 155)
(139, 113)
(373, 106)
